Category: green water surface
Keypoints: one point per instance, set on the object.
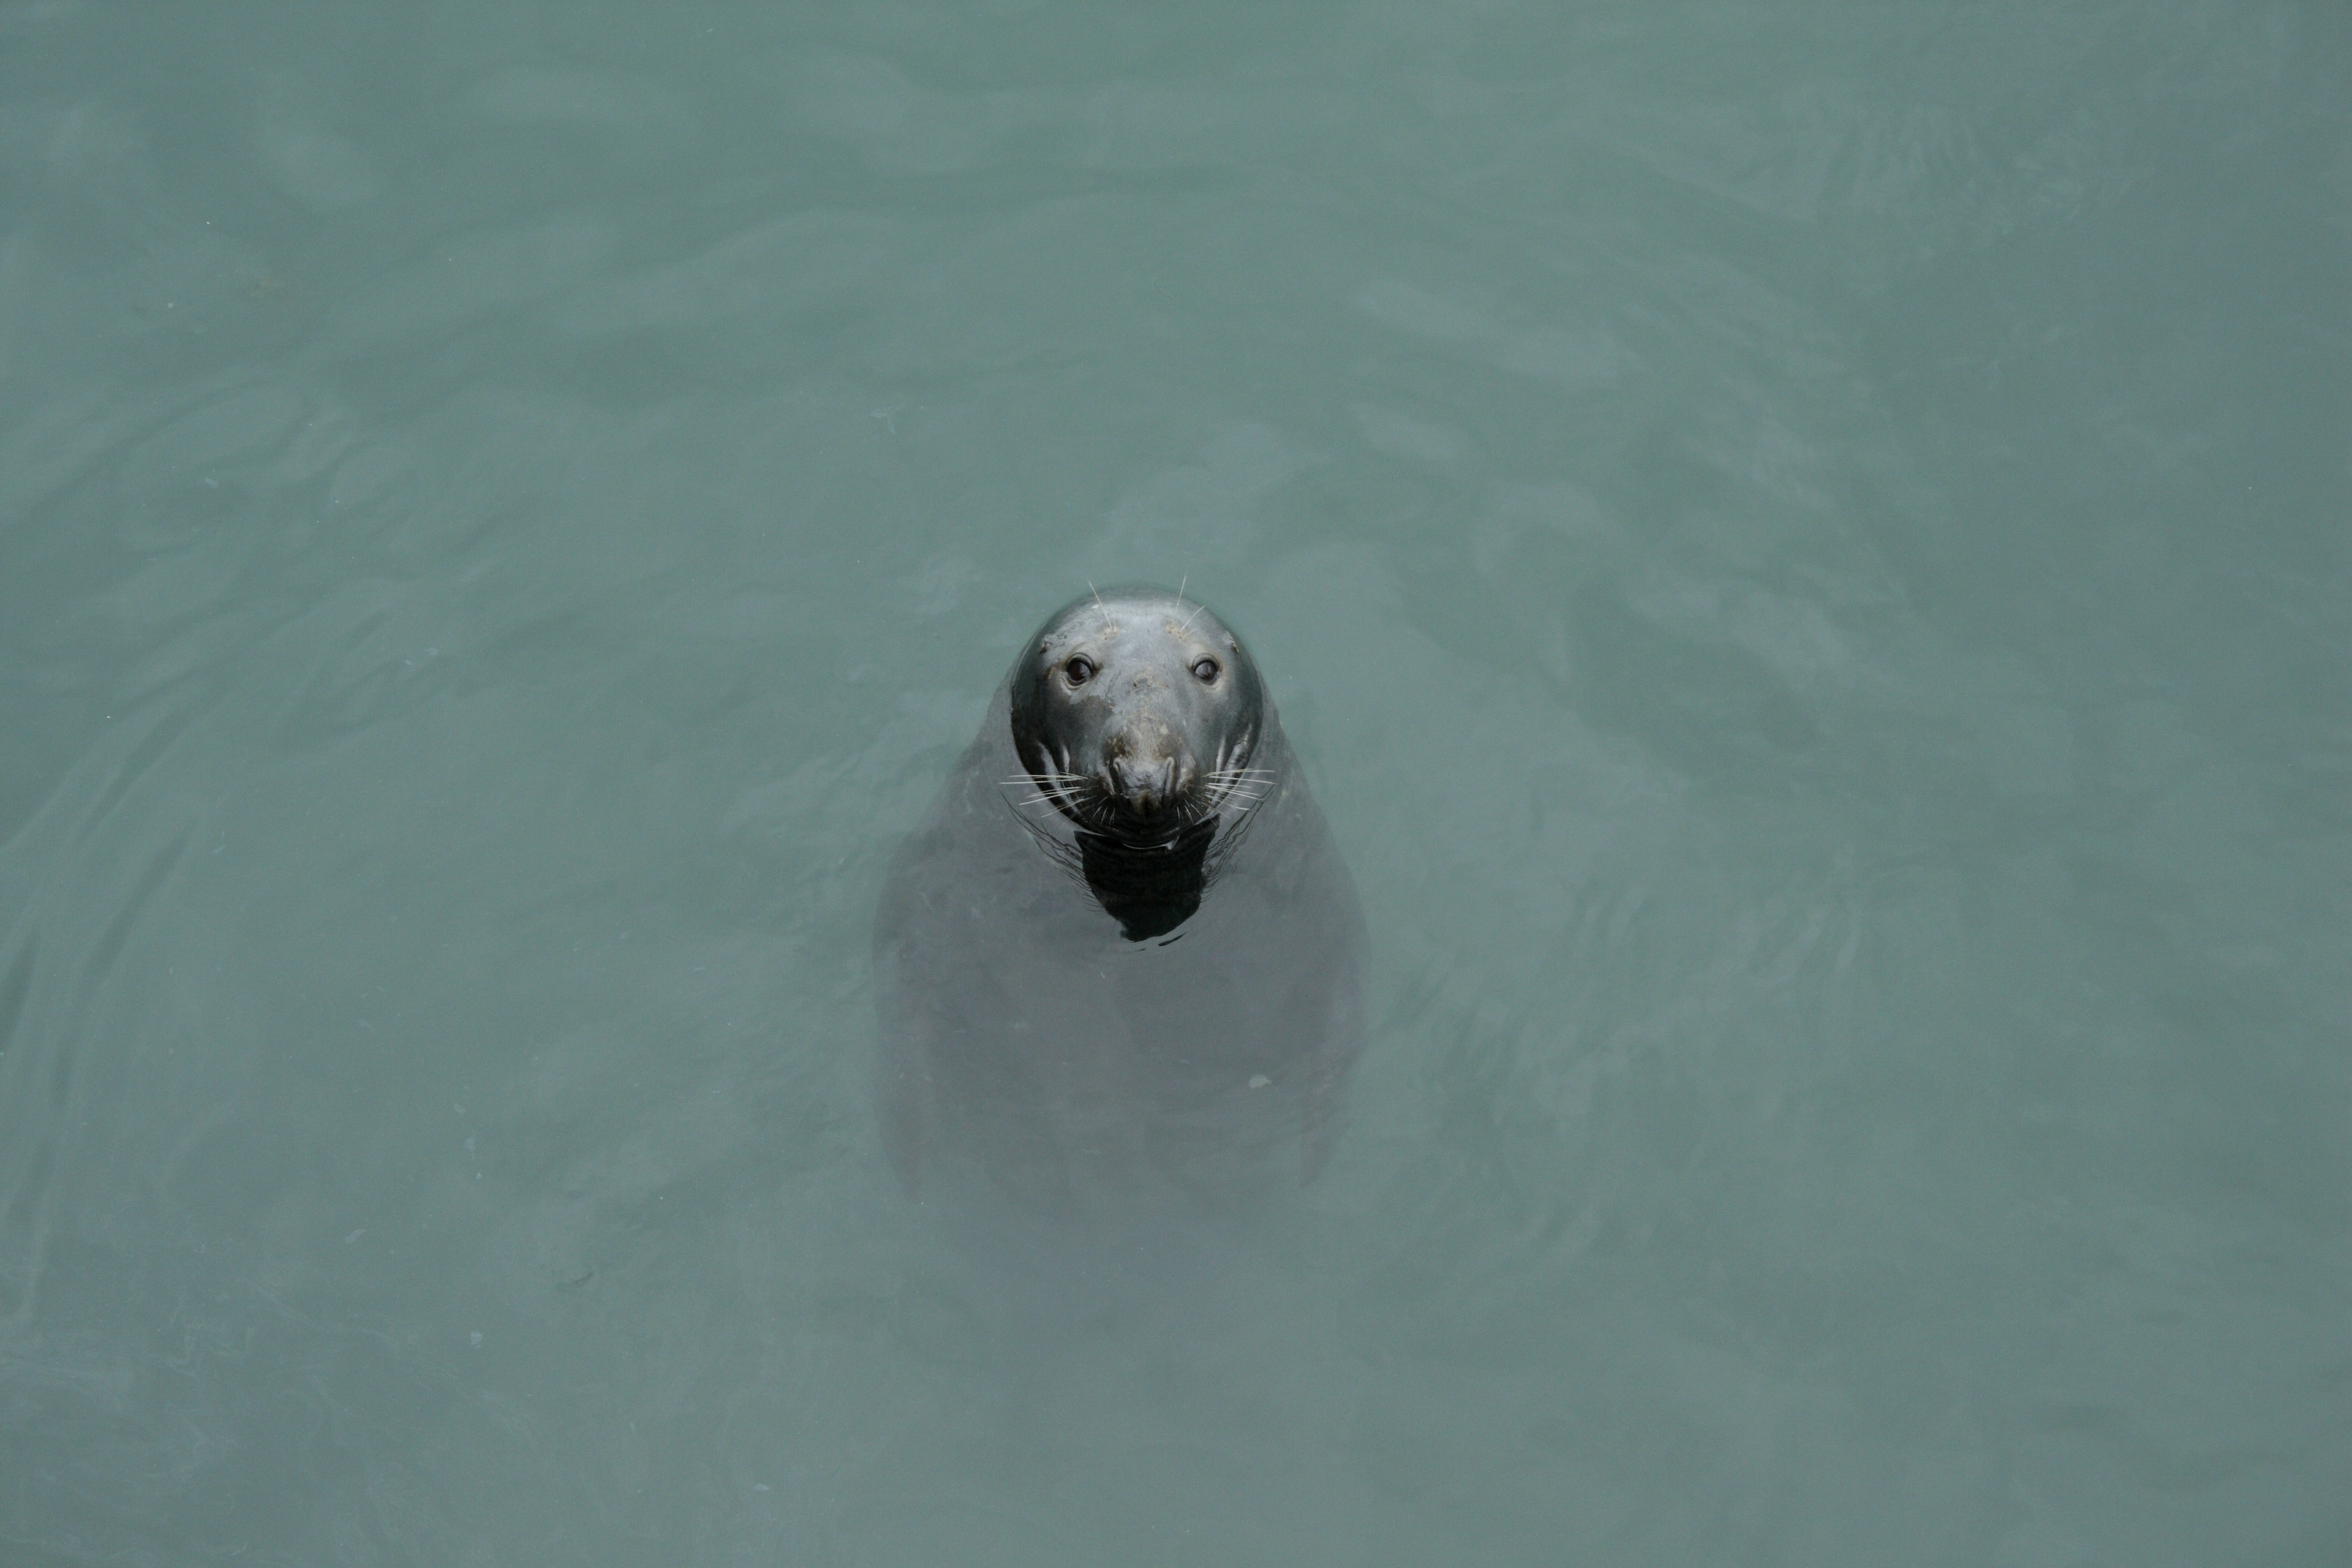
(1802, 547)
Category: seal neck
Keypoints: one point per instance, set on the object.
(1149, 889)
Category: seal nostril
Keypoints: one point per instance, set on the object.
(1143, 786)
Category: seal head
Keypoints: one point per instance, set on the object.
(1137, 713)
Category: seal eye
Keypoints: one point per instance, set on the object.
(1206, 669)
(1079, 669)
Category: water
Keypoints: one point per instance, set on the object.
(1802, 547)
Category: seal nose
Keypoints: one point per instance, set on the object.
(1145, 784)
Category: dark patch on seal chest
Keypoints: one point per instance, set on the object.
(1150, 890)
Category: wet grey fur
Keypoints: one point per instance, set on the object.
(1027, 1037)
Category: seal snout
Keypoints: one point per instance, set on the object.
(1144, 786)
(1144, 770)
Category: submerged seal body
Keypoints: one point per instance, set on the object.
(1122, 949)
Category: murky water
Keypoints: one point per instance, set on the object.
(1803, 549)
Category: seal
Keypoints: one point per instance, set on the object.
(1122, 949)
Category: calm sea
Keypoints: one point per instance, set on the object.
(1804, 547)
